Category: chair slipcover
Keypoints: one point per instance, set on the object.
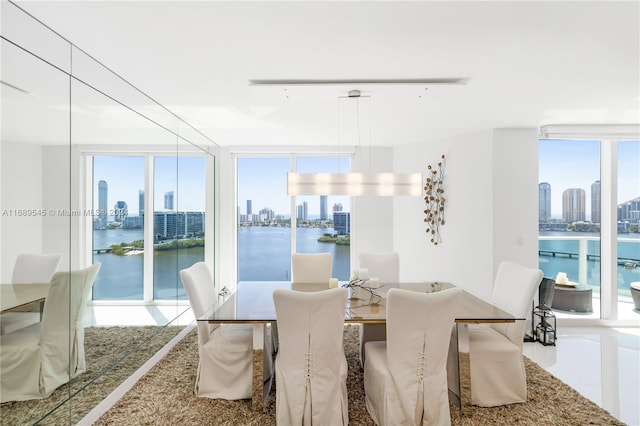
(309, 272)
(385, 267)
(311, 268)
(225, 350)
(29, 268)
(311, 368)
(35, 268)
(405, 378)
(497, 369)
(38, 359)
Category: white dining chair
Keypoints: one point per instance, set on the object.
(405, 377)
(36, 360)
(311, 268)
(386, 268)
(497, 369)
(225, 366)
(311, 368)
(35, 268)
(29, 269)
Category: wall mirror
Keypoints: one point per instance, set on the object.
(93, 169)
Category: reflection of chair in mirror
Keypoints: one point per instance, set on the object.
(29, 268)
(311, 368)
(35, 268)
(225, 350)
(385, 267)
(497, 370)
(405, 378)
(38, 359)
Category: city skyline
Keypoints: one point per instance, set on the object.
(124, 177)
(568, 164)
(563, 164)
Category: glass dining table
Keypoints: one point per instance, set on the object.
(252, 303)
(14, 297)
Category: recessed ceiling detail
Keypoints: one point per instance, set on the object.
(338, 82)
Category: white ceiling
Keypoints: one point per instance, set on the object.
(526, 64)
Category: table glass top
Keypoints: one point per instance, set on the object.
(253, 303)
(15, 295)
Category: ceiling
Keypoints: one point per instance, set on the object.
(523, 64)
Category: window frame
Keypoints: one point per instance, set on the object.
(149, 153)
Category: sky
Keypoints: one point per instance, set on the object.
(125, 177)
(263, 180)
(576, 164)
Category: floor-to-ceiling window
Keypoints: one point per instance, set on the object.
(628, 217)
(572, 213)
(323, 222)
(118, 231)
(265, 237)
(177, 221)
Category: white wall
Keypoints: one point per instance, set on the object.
(490, 214)
(60, 195)
(371, 217)
(21, 180)
(515, 197)
(491, 209)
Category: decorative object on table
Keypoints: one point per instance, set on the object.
(544, 321)
(362, 287)
(434, 198)
(562, 279)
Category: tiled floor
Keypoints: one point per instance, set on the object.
(601, 363)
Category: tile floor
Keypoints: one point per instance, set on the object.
(601, 363)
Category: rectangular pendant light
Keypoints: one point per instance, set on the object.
(376, 184)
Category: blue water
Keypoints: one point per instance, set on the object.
(264, 253)
(552, 265)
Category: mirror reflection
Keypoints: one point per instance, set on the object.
(103, 202)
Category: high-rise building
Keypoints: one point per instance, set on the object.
(573, 205)
(629, 211)
(177, 224)
(141, 202)
(168, 200)
(120, 211)
(595, 202)
(303, 211)
(249, 211)
(544, 202)
(266, 214)
(323, 207)
(342, 223)
(337, 207)
(103, 195)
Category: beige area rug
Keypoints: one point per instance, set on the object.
(165, 396)
(103, 347)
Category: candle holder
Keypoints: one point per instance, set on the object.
(360, 289)
(545, 325)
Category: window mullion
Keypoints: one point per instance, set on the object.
(148, 229)
(609, 230)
